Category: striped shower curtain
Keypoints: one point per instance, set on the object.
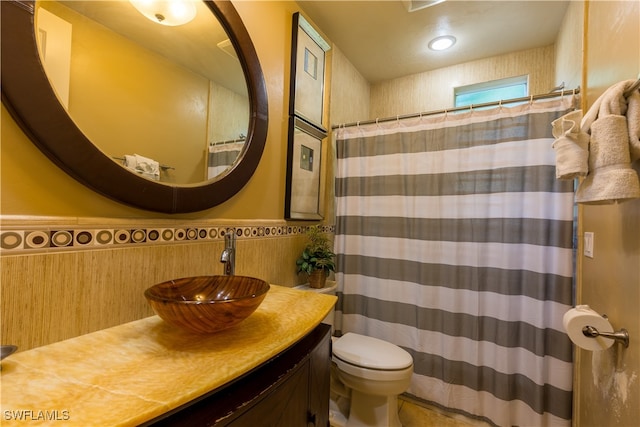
(221, 156)
(454, 241)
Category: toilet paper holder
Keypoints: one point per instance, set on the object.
(621, 336)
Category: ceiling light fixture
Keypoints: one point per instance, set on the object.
(166, 12)
(442, 43)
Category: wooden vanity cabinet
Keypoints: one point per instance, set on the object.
(290, 390)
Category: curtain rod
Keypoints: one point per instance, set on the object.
(466, 107)
(229, 141)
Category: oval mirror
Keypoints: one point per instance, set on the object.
(147, 130)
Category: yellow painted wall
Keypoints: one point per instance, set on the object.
(609, 381)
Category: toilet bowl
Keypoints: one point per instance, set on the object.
(367, 375)
(376, 372)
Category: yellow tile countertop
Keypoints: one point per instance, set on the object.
(134, 372)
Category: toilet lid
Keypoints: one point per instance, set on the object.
(370, 352)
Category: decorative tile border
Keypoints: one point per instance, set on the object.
(32, 240)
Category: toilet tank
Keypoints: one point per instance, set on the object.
(329, 289)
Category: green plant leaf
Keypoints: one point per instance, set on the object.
(318, 254)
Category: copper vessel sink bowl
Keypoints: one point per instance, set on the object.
(206, 304)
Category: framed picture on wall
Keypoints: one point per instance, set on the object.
(304, 184)
(308, 49)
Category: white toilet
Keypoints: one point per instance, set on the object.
(368, 374)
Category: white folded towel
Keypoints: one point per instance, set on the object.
(142, 165)
(130, 161)
(571, 146)
(611, 178)
(633, 121)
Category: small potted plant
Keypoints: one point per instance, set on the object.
(317, 258)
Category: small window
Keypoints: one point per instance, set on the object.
(493, 91)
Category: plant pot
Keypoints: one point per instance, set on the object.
(317, 279)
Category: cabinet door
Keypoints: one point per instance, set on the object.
(319, 371)
(286, 406)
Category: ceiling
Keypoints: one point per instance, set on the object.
(383, 40)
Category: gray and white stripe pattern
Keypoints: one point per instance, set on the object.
(222, 157)
(454, 241)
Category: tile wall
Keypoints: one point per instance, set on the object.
(65, 277)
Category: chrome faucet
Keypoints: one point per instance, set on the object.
(228, 257)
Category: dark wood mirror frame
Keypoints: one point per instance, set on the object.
(30, 99)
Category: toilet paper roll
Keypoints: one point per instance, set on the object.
(577, 318)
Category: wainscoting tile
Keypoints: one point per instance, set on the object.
(33, 240)
(73, 277)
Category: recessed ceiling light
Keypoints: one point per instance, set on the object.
(442, 43)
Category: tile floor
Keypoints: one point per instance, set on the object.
(411, 414)
(414, 415)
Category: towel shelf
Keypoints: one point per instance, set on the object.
(165, 167)
(229, 141)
